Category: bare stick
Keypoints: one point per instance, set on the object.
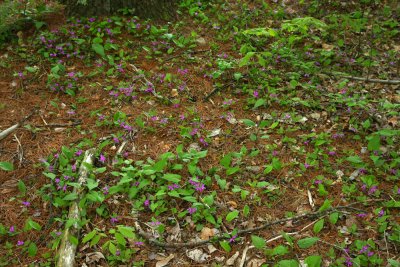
(365, 79)
(67, 250)
(20, 151)
(9, 130)
(317, 214)
(241, 264)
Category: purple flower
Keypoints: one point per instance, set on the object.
(203, 142)
(331, 153)
(73, 167)
(139, 243)
(306, 165)
(146, 202)
(369, 254)
(348, 262)
(255, 94)
(200, 187)
(78, 153)
(232, 239)
(381, 213)
(12, 229)
(20, 243)
(174, 186)
(113, 220)
(194, 131)
(364, 249)
(361, 215)
(102, 158)
(191, 210)
(26, 203)
(318, 182)
(372, 190)
(105, 190)
(118, 252)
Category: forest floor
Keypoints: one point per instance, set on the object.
(245, 133)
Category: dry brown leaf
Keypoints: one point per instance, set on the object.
(163, 262)
(94, 257)
(231, 260)
(255, 263)
(327, 47)
(232, 204)
(197, 255)
(207, 233)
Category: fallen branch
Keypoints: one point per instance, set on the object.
(51, 125)
(364, 79)
(216, 90)
(66, 253)
(11, 129)
(317, 214)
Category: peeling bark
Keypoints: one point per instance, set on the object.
(67, 250)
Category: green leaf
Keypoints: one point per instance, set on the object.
(71, 196)
(374, 143)
(99, 49)
(246, 210)
(225, 245)
(232, 215)
(307, 242)
(288, 263)
(34, 225)
(258, 242)
(394, 263)
(226, 160)
(32, 249)
(318, 226)
(280, 250)
(248, 122)
(50, 175)
(273, 125)
(268, 169)
(313, 261)
(174, 178)
(245, 60)
(333, 217)
(21, 187)
(6, 166)
(73, 240)
(259, 103)
(91, 184)
(126, 231)
(112, 248)
(120, 239)
(210, 218)
(326, 205)
(354, 159)
(89, 236)
(232, 170)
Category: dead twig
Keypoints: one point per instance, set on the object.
(52, 125)
(364, 79)
(20, 151)
(317, 214)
